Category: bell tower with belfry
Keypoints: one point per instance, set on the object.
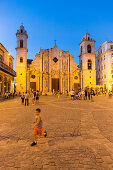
(87, 62)
(21, 60)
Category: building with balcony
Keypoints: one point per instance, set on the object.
(7, 73)
(104, 65)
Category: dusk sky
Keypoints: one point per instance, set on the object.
(61, 20)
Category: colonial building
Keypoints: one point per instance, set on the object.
(87, 62)
(104, 66)
(21, 60)
(7, 73)
(52, 69)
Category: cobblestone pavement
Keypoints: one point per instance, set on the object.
(80, 135)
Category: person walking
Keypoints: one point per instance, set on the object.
(37, 96)
(92, 95)
(89, 94)
(65, 93)
(26, 98)
(85, 94)
(38, 130)
(72, 94)
(33, 98)
(22, 97)
(82, 93)
(105, 92)
(58, 94)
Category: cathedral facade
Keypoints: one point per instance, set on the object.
(52, 70)
(55, 70)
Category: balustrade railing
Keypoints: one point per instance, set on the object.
(7, 68)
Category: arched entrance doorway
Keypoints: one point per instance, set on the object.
(55, 84)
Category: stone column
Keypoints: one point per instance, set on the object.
(50, 76)
(61, 83)
(37, 82)
(12, 86)
(41, 82)
(2, 85)
(50, 84)
(81, 81)
(68, 74)
(28, 80)
(6, 85)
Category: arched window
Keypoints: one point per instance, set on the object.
(81, 49)
(21, 43)
(21, 59)
(89, 48)
(89, 65)
(21, 31)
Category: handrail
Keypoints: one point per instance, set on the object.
(7, 68)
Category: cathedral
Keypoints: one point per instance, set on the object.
(55, 70)
(52, 70)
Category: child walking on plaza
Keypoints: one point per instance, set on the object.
(38, 130)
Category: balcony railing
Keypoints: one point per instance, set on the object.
(7, 69)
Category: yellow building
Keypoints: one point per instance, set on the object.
(105, 65)
(7, 73)
(52, 69)
(21, 60)
(87, 62)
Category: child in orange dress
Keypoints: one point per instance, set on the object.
(38, 130)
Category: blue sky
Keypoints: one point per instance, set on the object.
(47, 20)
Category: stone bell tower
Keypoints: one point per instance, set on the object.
(87, 62)
(21, 60)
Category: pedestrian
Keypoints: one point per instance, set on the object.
(92, 95)
(85, 94)
(89, 94)
(72, 94)
(109, 94)
(37, 96)
(82, 93)
(33, 98)
(105, 92)
(7, 94)
(13, 94)
(22, 97)
(38, 130)
(65, 93)
(26, 98)
(58, 94)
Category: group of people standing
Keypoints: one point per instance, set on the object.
(83, 95)
(34, 96)
(7, 95)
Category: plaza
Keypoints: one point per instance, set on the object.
(80, 134)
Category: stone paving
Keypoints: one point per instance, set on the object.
(80, 135)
